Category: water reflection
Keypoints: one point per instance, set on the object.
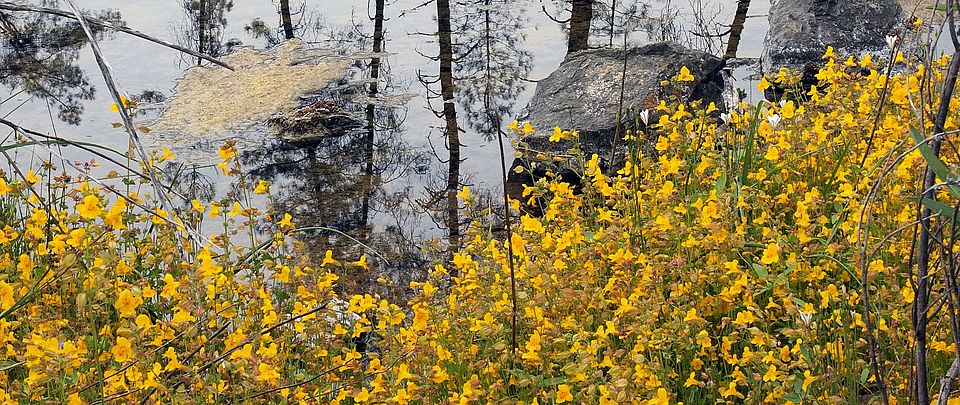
(607, 20)
(38, 55)
(203, 29)
(342, 179)
(736, 29)
(288, 28)
(372, 177)
(492, 64)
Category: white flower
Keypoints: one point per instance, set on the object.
(774, 120)
(725, 117)
(806, 317)
(644, 116)
(891, 41)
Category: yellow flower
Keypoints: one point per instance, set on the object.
(362, 263)
(180, 316)
(744, 319)
(403, 373)
(771, 374)
(531, 224)
(691, 315)
(532, 348)
(121, 350)
(215, 209)
(907, 293)
(563, 394)
(263, 187)
(528, 129)
(420, 316)
(286, 222)
(685, 75)
(829, 54)
(266, 372)
(167, 155)
(227, 152)
(32, 177)
(773, 154)
(236, 210)
(173, 362)
(114, 217)
(559, 135)
(89, 208)
(4, 188)
(244, 353)
(703, 339)
(771, 254)
(464, 193)
(731, 390)
(170, 287)
(808, 379)
(6, 295)
(328, 259)
(515, 126)
(127, 303)
(160, 216)
(124, 101)
(197, 206)
(402, 398)
(662, 398)
(763, 85)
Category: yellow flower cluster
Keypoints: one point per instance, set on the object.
(721, 269)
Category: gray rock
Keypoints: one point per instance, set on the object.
(801, 30)
(584, 92)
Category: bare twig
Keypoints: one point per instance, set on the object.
(128, 121)
(106, 24)
(921, 302)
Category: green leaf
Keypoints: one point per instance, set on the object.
(938, 207)
(806, 355)
(746, 161)
(760, 271)
(722, 183)
(864, 375)
(550, 382)
(937, 165)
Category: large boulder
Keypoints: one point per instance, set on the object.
(801, 30)
(584, 92)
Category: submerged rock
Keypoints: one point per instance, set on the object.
(314, 121)
(801, 30)
(584, 92)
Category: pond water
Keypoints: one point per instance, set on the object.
(386, 183)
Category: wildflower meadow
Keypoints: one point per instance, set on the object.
(765, 253)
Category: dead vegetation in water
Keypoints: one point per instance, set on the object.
(214, 100)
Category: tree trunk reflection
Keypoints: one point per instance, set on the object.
(736, 29)
(451, 130)
(286, 20)
(580, 17)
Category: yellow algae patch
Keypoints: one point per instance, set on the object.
(210, 100)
